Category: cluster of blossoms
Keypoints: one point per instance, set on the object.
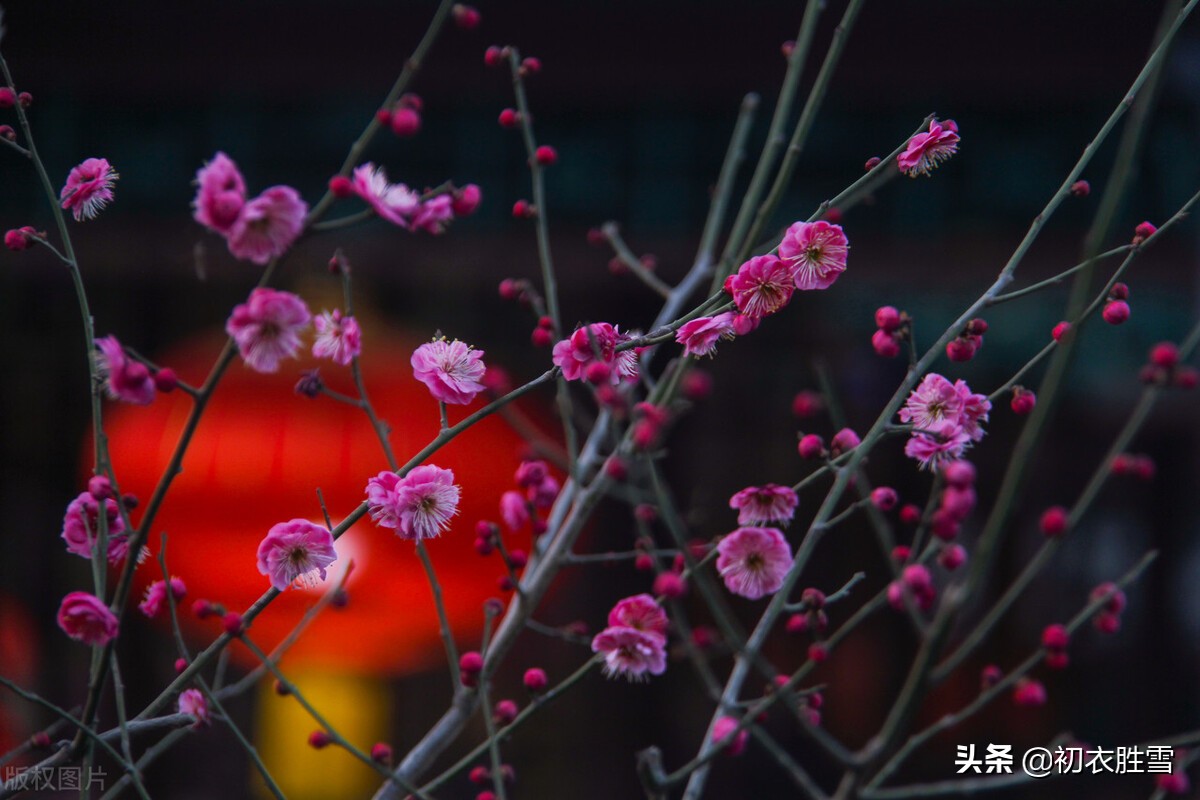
(296, 552)
(753, 561)
(811, 256)
(946, 418)
(635, 642)
(418, 506)
(453, 370)
(540, 490)
(88, 188)
(926, 150)
(255, 230)
(81, 527)
(591, 353)
(268, 326)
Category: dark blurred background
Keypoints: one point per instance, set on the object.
(639, 99)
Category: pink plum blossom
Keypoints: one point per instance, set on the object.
(699, 336)
(81, 527)
(453, 371)
(926, 150)
(156, 594)
(338, 337)
(770, 503)
(641, 613)
(88, 188)
(221, 194)
(193, 703)
(762, 286)
(975, 408)
(296, 553)
(947, 419)
(267, 327)
(124, 378)
(596, 344)
(816, 252)
(86, 619)
(754, 561)
(631, 653)
(419, 505)
(394, 202)
(935, 399)
(267, 225)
